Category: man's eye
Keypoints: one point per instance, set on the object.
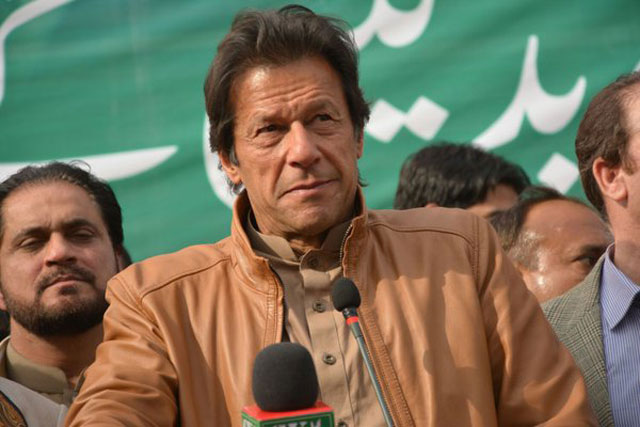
(588, 260)
(31, 244)
(268, 128)
(324, 117)
(81, 236)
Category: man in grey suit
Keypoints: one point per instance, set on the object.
(599, 320)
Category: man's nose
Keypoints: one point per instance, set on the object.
(59, 250)
(302, 150)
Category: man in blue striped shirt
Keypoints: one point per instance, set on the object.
(599, 320)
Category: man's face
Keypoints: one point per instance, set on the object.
(500, 198)
(55, 259)
(571, 238)
(631, 175)
(296, 148)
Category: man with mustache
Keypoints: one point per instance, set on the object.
(453, 334)
(61, 240)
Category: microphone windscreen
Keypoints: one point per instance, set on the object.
(284, 378)
(345, 294)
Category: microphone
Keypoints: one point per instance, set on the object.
(285, 388)
(346, 299)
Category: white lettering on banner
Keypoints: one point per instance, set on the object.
(246, 423)
(547, 113)
(559, 173)
(394, 27)
(217, 178)
(19, 17)
(110, 167)
(424, 118)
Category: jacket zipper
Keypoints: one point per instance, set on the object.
(344, 242)
(342, 246)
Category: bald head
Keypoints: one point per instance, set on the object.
(569, 238)
(553, 240)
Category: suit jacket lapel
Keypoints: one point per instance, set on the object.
(582, 335)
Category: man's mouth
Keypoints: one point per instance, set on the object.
(66, 278)
(63, 278)
(309, 186)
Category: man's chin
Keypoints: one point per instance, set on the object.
(67, 317)
(68, 301)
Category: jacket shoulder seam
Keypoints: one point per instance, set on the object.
(166, 282)
(428, 229)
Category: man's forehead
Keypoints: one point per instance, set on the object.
(632, 110)
(34, 204)
(553, 216)
(307, 73)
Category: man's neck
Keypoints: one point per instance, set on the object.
(625, 257)
(71, 354)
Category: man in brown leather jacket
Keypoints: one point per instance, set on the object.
(454, 336)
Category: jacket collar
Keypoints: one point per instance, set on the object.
(256, 270)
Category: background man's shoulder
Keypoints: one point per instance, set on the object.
(571, 307)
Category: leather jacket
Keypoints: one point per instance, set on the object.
(455, 337)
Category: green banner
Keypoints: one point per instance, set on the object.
(118, 83)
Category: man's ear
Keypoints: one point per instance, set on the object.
(610, 179)
(3, 304)
(123, 259)
(120, 263)
(230, 168)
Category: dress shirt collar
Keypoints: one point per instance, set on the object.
(40, 378)
(278, 247)
(618, 291)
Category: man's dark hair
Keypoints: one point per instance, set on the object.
(522, 247)
(97, 189)
(454, 175)
(259, 38)
(604, 132)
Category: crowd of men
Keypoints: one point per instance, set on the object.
(450, 304)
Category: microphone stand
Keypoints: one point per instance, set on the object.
(351, 316)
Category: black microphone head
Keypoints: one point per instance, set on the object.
(345, 294)
(284, 378)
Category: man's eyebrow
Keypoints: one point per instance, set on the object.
(43, 231)
(591, 249)
(596, 247)
(323, 103)
(30, 232)
(77, 223)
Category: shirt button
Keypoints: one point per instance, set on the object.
(329, 359)
(319, 306)
(342, 424)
